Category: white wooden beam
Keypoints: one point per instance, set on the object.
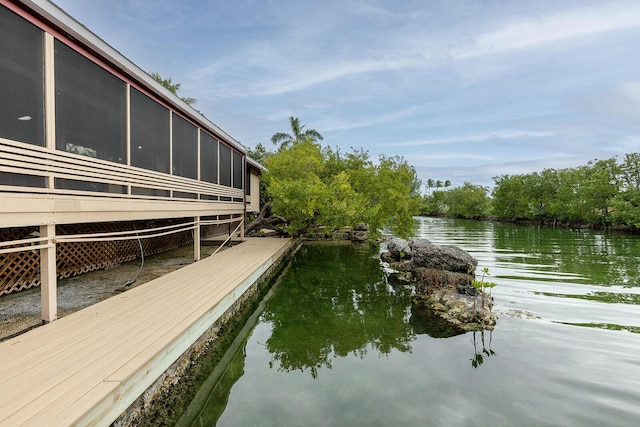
(49, 100)
(48, 279)
(196, 239)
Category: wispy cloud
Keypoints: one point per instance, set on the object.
(153, 15)
(374, 120)
(495, 135)
(450, 156)
(296, 76)
(554, 28)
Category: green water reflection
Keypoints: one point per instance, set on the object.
(541, 253)
(597, 258)
(336, 303)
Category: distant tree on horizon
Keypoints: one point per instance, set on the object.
(431, 183)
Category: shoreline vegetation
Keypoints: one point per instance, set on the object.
(601, 195)
(629, 229)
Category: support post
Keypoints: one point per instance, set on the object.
(48, 276)
(49, 101)
(196, 239)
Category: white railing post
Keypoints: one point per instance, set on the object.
(48, 279)
(196, 239)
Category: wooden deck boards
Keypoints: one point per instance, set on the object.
(90, 366)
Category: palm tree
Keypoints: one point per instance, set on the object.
(298, 134)
(430, 184)
(438, 184)
(447, 183)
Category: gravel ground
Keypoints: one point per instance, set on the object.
(20, 311)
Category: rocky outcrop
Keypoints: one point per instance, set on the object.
(423, 253)
(442, 277)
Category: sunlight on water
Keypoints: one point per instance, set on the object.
(336, 345)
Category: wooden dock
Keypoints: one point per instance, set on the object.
(88, 367)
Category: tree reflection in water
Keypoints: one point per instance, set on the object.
(334, 301)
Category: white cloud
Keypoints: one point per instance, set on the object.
(390, 117)
(617, 106)
(628, 144)
(451, 156)
(499, 135)
(291, 76)
(631, 90)
(624, 102)
(553, 28)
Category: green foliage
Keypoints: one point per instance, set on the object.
(311, 185)
(597, 184)
(481, 285)
(389, 196)
(293, 183)
(466, 201)
(505, 200)
(433, 204)
(625, 206)
(167, 83)
(600, 193)
(259, 153)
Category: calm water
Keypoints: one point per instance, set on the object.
(337, 346)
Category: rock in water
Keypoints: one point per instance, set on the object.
(442, 279)
(448, 258)
(399, 248)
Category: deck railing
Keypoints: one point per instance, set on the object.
(55, 165)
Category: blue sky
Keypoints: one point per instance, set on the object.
(465, 90)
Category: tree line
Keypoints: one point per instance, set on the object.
(601, 193)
